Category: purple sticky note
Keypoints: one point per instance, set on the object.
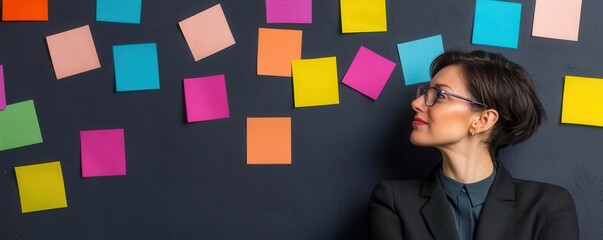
(206, 98)
(2, 92)
(103, 152)
(368, 73)
(289, 11)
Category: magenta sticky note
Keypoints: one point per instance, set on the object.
(206, 98)
(368, 73)
(289, 11)
(2, 92)
(103, 152)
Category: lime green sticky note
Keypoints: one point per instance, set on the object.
(19, 126)
(581, 103)
(363, 16)
(315, 82)
(41, 187)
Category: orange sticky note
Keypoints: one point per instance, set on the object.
(276, 49)
(25, 10)
(269, 140)
(72, 52)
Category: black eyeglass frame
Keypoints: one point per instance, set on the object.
(421, 91)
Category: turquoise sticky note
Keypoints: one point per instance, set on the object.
(119, 11)
(496, 23)
(136, 67)
(416, 57)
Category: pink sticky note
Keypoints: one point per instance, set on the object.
(557, 19)
(289, 11)
(103, 152)
(206, 98)
(368, 73)
(2, 92)
(207, 32)
(72, 52)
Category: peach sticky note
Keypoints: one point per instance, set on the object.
(581, 104)
(41, 187)
(207, 32)
(363, 16)
(315, 82)
(276, 49)
(557, 19)
(24, 10)
(72, 52)
(103, 152)
(269, 140)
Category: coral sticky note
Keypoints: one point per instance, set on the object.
(416, 57)
(19, 126)
(207, 32)
(206, 98)
(496, 23)
(269, 140)
(41, 187)
(288, 11)
(363, 16)
(24, 10)
(581, 101)
(103, 152)
(72, 52)
(315, 82)
(118, 11)
(276, 49)
(368, 73)
(557, 19)
(136, 67)
(2, 90)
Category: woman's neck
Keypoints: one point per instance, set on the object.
(468, 166)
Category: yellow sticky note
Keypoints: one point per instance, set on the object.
(581, 103)
(41, 187)
(315, 82)
(363, 16)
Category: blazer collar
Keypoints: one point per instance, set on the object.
(495, 213)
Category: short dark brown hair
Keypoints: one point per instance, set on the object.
(503, 86)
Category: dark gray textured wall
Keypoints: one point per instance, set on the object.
(190, 181)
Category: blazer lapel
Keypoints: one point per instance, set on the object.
(436, 211)
(498, 207)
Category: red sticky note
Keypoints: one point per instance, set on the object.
(25, 10)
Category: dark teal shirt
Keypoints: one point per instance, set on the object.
(476, 194)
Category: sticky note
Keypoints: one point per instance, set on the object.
(72, 52)
(206, 98)
(557, 19)
(581, 101)
(368, 73)
(19, 126)
(118, 11)
(2, 90)
(268, 140)
(276, 49)
(315, 82)
(496, 23)
(363, 16)
(41, 187)
(207, 32)
(103, 152)
(288, 11)
(416, 57)
(24, 10)
(136, 67)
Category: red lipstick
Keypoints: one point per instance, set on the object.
(418, 121)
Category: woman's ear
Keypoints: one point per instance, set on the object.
(485, 121)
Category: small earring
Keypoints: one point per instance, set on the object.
(472, 132)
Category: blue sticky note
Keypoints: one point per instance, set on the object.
(496, 23)
(119, 11)
(136, 67)
(416, 57)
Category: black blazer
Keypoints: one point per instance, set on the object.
(514, 209)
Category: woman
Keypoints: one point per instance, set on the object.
(475, 104)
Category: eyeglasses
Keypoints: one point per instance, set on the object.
(432, 94)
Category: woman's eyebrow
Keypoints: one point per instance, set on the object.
(440, 85)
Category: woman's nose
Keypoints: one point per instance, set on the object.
(418, 104)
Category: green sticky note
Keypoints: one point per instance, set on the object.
(19, 126)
